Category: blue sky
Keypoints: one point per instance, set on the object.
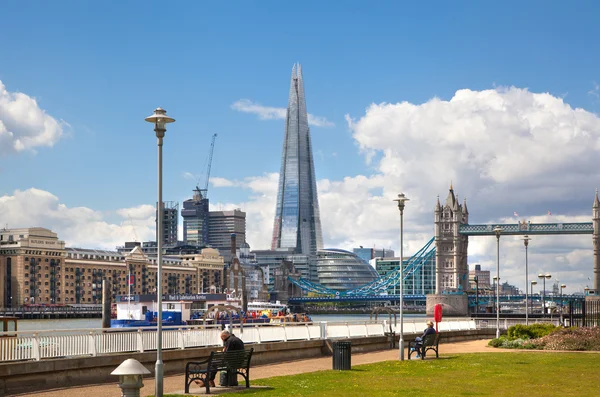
(99, 68)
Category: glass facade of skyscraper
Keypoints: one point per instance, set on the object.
(342, 270)
(422, 281)
(297, 221)
(195, 220)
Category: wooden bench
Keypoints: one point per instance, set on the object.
(430, 342)
(234, 362)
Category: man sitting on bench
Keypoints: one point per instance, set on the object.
(230, 343)
(419, 339)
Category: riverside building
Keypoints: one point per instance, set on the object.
(36, 268)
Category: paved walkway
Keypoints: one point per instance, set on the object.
(175, 384)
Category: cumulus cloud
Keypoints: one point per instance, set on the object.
(506, 149)
(24, 125)
(222, 182)
(273, 113)
(78, 226)
(189, 175)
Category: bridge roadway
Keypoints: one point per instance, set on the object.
(421, 298)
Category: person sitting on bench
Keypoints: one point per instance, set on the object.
(419, 339)
(230, 343)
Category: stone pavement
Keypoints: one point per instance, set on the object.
(175, 383)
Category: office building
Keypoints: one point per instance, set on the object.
(297, 221)
(195, 220)
(342, 270)
(222, 224)
(420, 281)
(483, 278)
(366, 254)
(170, 222)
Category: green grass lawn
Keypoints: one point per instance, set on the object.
(480, 374)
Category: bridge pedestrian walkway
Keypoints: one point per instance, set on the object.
(174, 384)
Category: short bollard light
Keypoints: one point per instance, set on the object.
(130, 377)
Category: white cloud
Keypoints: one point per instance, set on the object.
(78, 226)
(222, 182)
(507, 150)
(272, 113)
(595, 92)
(189, 175)
(23, 125)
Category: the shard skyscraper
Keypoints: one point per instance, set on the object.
(297, 221)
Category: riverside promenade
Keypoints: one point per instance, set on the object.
(175, 384)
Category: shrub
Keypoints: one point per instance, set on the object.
(532, 331)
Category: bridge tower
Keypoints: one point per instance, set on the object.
(596, 240)
(452, 269)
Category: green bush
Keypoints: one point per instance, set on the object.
(532, 331)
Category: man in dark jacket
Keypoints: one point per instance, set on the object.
(230, 343)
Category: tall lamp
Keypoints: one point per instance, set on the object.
(532, 284)
(526, 240)
(160, 120)
(544, 277)
(498, 231)
(562, 286)
(402, 199)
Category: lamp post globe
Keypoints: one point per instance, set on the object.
(498, 231)
(401, 200)
(160, 120)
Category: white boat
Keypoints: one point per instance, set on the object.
(273, 307)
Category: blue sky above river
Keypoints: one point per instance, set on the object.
(500, 98)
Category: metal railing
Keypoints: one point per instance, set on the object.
(39, 345)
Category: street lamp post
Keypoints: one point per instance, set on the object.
(401, 200)
(526, 239)
(544, 277)
(532, 284)
(562, 286)
(159, 119)
(476, 279)
(498, 231)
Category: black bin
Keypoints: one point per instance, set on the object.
(342, 354)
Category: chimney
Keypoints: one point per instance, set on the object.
(232, 244)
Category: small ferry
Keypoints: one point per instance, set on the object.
(144, 314)
(271, 309)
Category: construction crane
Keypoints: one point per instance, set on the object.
(210, 156)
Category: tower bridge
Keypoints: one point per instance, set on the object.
(449, 245)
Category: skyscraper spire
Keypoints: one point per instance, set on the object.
(297, 220)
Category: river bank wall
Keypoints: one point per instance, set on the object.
(34, 376)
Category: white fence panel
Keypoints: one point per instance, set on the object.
(314, 331)
(250, 334)
(297, 332)
(337, 330)
(196, 337)
(115, 342)
(272, 333)
(375, 329)
(357, 330)
(170, 339)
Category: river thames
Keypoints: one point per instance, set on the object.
(83, 323)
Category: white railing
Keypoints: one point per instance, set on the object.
(506, 323)
(38, 345)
